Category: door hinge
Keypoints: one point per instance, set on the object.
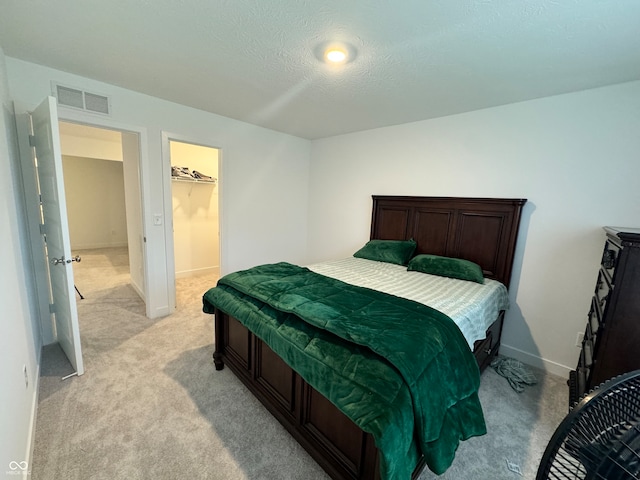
(43, 229)
(52, 308)
(32, 140)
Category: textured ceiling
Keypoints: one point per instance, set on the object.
(254, 60)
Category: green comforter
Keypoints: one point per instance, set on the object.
(400, 370)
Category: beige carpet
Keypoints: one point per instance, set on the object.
(152, 406)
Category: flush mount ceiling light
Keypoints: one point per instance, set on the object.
(335, 53)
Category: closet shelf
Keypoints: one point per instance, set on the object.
(193, 180)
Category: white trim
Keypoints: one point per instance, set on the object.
(92, 246)
(168, 207)
(535, 361)
(198, 271)
(140, 293)
(168, 219)
(31, 439)
(161, 312)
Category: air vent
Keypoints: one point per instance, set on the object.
(75, 98)
(70, 97)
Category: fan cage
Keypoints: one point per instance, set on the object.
(600, 437)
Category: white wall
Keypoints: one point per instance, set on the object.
(264, 199)
(94, 189)
(575, 157)
(21, 341)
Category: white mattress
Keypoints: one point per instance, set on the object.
(472, 306)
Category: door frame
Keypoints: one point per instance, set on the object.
(168, 206)
(91, 120)
(130, 161)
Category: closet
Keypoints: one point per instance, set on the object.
(194, 190)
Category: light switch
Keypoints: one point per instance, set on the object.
(157, 219)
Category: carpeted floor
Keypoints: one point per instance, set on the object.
(151, 405)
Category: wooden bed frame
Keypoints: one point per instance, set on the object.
(477, 229)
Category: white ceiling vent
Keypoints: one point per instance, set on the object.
(75, 98)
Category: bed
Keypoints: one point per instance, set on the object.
(347, 406)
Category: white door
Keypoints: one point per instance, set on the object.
(56, 230)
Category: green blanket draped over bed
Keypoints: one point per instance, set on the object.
(400, 370)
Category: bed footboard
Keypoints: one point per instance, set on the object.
(339, 446)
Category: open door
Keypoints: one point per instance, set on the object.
(55, 228)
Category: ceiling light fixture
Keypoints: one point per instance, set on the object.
(335, 53)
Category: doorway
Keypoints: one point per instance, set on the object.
(102, 187)
(195, 211)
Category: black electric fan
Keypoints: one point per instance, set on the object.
(600, 437)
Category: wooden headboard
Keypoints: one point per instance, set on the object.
(482, 230)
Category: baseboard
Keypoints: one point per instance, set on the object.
(138, 290)
(32, 422)
(198, 271)
(160, 312)
(93, 246)
(535, 361)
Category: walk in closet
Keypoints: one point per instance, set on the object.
(194, 188)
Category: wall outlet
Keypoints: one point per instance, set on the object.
(26, 376)
(579, 338)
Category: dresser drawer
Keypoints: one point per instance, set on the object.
(603, 288)
(595, 316)
(587, 354)
(574, 388)
(602, 292)
(584, 375)
(610, 257)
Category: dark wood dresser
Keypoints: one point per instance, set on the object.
(611, 344)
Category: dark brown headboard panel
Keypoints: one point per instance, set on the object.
(483, 230)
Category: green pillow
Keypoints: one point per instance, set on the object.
(447, 267)
(389, 251)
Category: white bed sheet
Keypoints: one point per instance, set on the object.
(472, 306)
